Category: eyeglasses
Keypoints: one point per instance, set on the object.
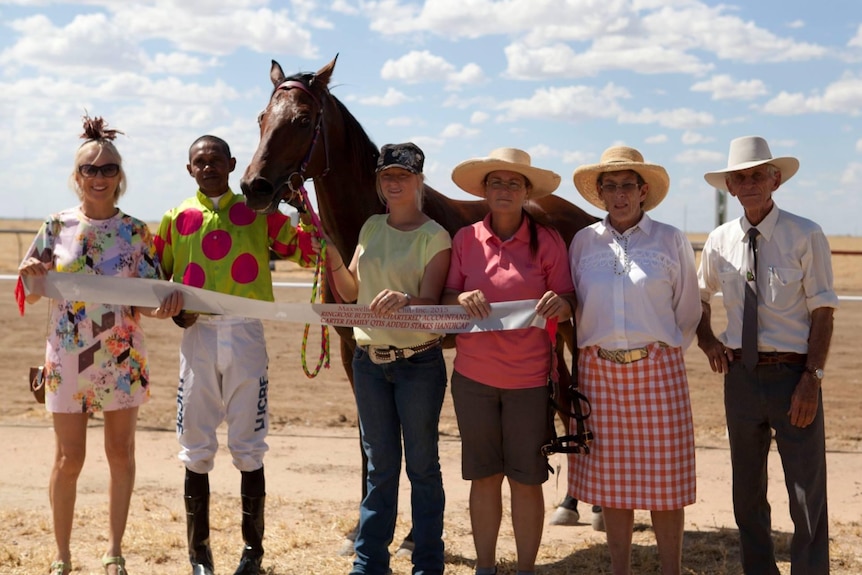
(91, 171)
(628, 187)
(500, 185)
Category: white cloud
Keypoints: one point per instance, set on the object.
(176, 63)
(857, 39)
(423, 66)
(657, 139)
(392, 97)
(843, 96)
(402, 122)
(457, 131)
(479, 117)
(577, 158)
(560, 60)
(852, 174)
(725, 87)
(859, 145)
(344, 7)
(796, 24)
(110, 42)
(572, 103)
(696, 26)
(690, 138)
(679, 119)
(699, 157)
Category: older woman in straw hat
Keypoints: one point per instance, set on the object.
(637, 310)
(498, 384)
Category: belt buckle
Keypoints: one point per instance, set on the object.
(624, 356)
(381, 355)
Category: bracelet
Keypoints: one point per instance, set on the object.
(338, 268)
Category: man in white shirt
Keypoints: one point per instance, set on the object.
(772, 353)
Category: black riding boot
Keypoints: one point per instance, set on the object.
(197, 499)
(253, 500)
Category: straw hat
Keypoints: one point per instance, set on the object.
(750, 152)
(470, 175)
(618, 159)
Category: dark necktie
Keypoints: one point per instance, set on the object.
(749, 311)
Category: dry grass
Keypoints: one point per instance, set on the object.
(302, 537)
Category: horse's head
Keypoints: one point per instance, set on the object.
(292, 147)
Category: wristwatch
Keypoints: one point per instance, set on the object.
(817, 372)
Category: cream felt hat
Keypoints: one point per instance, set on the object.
(619, 159)
(470, 175)
(749, 152)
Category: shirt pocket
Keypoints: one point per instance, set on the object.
(785, 286)
(731, 288)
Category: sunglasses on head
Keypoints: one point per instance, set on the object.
(91, 171)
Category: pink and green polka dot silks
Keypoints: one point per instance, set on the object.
(227, 249)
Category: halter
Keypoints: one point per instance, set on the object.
(299, 190)
(299, 176)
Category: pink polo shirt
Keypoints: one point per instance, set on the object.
(506, 271)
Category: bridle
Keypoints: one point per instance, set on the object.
(295, 182)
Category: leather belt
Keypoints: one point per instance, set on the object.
(387, 354)
(627, 355)
(774, 357)
(624, 355)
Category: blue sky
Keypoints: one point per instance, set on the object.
(562, 79)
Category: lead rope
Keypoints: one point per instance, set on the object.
(318, 287)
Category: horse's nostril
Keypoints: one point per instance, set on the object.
(258, 187)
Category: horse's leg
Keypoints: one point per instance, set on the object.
(566, 512)
(347, 347)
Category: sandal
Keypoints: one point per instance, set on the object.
(119, 561)
(61, 568)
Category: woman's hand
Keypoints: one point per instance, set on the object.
(169, 307)
(475, 304)
(32, 267)
(388, 302)
(553, 306)
(333, 257)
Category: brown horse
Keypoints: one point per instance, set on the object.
(307, 133)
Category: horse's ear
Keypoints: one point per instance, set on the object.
(324, 74)
(276, 74)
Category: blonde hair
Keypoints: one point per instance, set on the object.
(96, 133)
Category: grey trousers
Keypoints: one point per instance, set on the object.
(755, 403)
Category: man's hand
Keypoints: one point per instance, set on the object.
(805, 401)
(718, 355)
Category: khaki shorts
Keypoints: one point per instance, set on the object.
(502, 430)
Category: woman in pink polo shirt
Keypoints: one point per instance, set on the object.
(500, 377)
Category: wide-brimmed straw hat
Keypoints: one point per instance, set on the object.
(619, 159)
(470, 175)
(750, 152)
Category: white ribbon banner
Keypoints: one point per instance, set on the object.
(149, 293)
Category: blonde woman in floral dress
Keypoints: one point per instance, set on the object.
(95, 357)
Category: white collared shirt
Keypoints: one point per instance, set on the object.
(794, 278)
(635, 288)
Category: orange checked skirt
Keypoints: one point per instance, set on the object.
(642, 455)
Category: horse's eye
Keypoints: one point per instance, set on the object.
(303, 121)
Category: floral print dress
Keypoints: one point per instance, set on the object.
(95, 358)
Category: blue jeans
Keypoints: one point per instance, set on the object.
(394, 399)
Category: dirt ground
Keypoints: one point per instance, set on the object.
(313, 479)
